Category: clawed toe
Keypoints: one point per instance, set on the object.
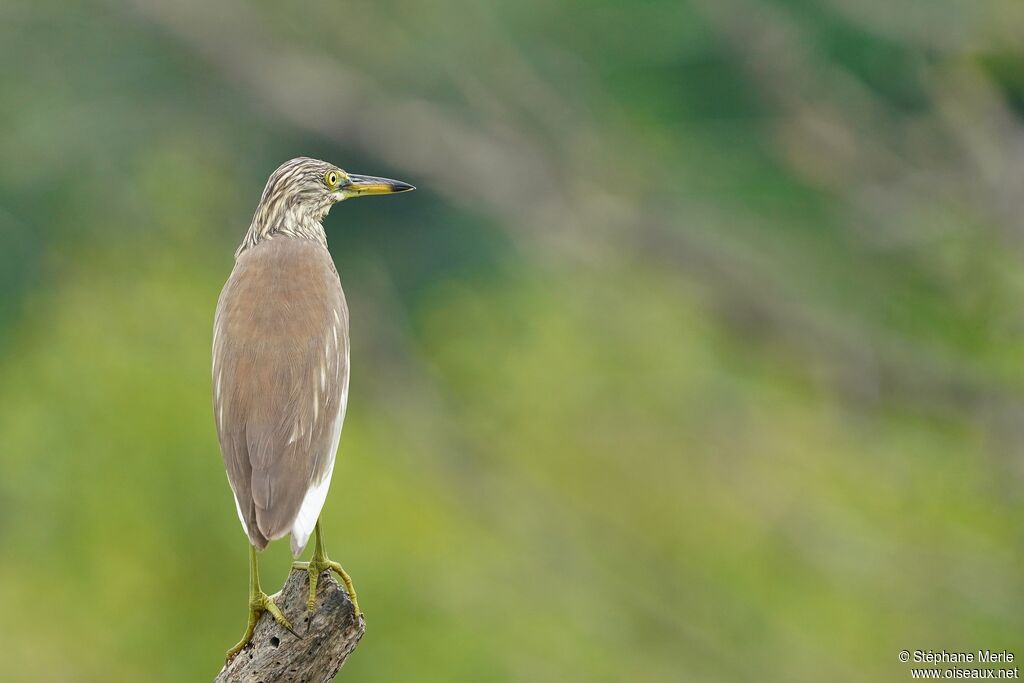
(259, 604)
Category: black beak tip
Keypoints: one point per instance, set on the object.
(403, 187)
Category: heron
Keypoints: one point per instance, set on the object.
(281, 369)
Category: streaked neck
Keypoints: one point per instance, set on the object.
(289, 220)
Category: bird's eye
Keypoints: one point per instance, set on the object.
(332, 178)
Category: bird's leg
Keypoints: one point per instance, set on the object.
(259, 602)
(319, 563)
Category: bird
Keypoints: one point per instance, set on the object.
(280, 372)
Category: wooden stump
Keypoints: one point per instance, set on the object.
(327, 637)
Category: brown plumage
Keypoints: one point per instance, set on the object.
(282, 365)
(281, 353)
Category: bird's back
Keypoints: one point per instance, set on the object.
(280, 378)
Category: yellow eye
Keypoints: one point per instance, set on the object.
(332, 178)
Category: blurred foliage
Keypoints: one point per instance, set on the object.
(698, 355)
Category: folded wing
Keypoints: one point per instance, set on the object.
(280, 379)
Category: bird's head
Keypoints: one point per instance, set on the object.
(301, 191)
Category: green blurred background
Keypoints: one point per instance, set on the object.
(697, 356)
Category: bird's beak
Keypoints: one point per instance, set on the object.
(359, 185)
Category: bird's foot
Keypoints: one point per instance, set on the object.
(258, 604)
(319, 564)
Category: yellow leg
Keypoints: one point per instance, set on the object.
(259, 602)
(319, 563)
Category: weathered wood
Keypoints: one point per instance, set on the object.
(328, 637)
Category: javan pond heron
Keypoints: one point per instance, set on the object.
(281, 368)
